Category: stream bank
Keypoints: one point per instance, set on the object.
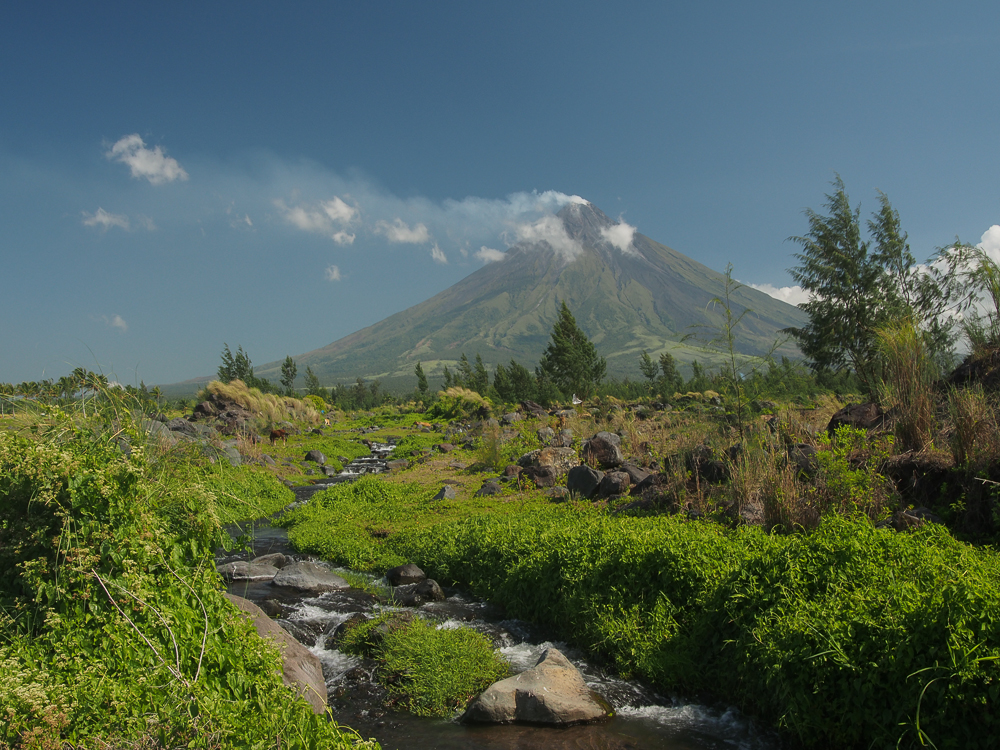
(644, 719)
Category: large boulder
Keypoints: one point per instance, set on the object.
(583, 480)
(552, 692)
(244, 572)
(859, 416)
(613, 484)
(560, 459)
(415, 594)
(300, 669)
(309, 577)
(316, 457)
(603, 449)
(542, 476)
(180, 424)
(404, 574)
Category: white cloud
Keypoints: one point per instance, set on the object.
(990, 242)
(115, 321)
(339, 211)
(332, 273)
(489, 255)
(621, 236)
(153, 164)
(399, 231)
(550, 230)
(146, 223)
(438, 255)
(330, 217)
(793, 295)
(105, 220)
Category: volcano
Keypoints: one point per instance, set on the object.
(627, 293)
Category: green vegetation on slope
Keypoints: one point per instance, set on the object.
(114, 629)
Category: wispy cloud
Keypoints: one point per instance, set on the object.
(400, 232)
(149, 163)
(550, 230)
(438, 255)
(105, 220)
(332, 273)
(331, 218)
(621, 236)
(793, 295)
(115, 321)
(489, 255)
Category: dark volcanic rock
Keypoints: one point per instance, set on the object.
(404, 574)
(309, 576)
(446, 493)
(614, 483)
(860, 416)
(491, 487)
(604, 449)
(583, 480)
(316, 457)
(415, 594)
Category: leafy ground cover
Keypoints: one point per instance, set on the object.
(113, 629)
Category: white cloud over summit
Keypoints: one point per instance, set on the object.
(793, 295)
(550, 230)
(149, 163)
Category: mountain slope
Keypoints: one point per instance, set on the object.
(646, 297)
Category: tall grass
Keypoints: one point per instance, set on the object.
(267, 406)
(975, 435)
(906, 385)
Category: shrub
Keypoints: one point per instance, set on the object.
(906, 384)
(459, 402)
(429, 671)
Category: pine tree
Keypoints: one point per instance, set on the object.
(570, 362)
(422, 385)
(288, 371)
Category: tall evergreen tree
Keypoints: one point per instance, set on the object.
(570, 361)
(288, 372)
(422, 385)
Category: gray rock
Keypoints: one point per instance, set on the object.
(415, 594)
(635, 474)
(564, 439)
(276, 559)
(604, 449)
(565, 413)
(491, 487)
(316, 457)
(309, 576)
(560, 459)
(510, 418)
(247, 572)
(583, 480)
(182, 425)
(542, 476)
(397, 464)
(268, 460)
(300, 668)
(445, 447)
(546, 435)
(558, 493)
(614, 483)
(552, 692)
(447, 493)
(233, 456)
(404, 574)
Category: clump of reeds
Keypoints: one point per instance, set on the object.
(907, 383)
(975, 434)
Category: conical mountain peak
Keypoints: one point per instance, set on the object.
(584, 222)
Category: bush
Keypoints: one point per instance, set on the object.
(429, 671)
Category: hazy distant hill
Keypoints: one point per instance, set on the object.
(644, 298)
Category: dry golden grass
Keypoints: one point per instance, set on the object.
(267, 406)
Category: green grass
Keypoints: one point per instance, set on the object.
(846, 636)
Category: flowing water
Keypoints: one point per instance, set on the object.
(643, 718)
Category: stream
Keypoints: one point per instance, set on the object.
(643, 718)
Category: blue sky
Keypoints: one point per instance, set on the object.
(176, 176)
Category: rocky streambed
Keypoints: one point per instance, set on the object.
(309, 600)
